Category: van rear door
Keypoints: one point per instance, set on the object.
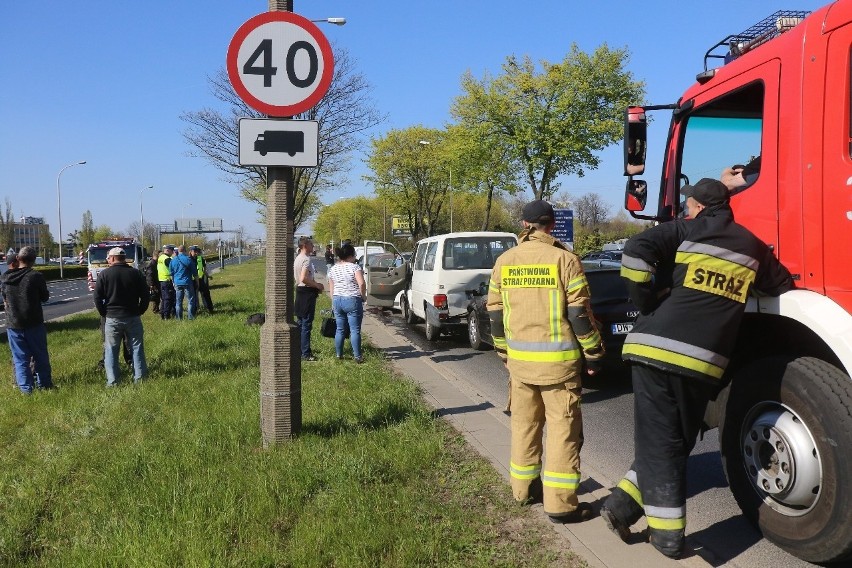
(386, 273)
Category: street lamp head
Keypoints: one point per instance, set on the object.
(423, 142)
(81, 163)
(335, 21)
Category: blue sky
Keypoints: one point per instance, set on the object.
(105, 81)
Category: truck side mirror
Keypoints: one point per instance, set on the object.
(635, 141)
(636, 195)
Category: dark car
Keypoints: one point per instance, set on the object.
(613, 255)
(611, 306)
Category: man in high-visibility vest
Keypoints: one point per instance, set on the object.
(203, 278)
(167, 291)
(543, 329)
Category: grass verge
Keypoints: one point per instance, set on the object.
(170, 472)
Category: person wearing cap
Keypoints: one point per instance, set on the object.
(121, 297)
(184, 276)
(690, 279)
(167, 290)
(24, 290)
(203, 282)
(543, 329)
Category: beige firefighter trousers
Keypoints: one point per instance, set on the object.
(559, 406)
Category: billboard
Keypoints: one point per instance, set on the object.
(400, 226)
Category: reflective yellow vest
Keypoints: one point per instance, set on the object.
(199, 262)
(163, 273)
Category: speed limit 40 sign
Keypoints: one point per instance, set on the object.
(280, 63)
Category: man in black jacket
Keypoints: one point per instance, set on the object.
(121, 297)
(690, 279)
(24, 290)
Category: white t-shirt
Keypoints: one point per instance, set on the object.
(343, 276)
(303, 261)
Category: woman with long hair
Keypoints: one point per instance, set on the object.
(348, 292)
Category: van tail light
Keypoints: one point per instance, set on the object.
(440, 301)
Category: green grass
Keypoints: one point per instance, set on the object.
(171, 472)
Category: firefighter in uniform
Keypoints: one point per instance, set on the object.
(543, 329)
(167, 290)
(690, 279)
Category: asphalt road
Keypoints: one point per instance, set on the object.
(714, 520)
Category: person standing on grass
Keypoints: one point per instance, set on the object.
(184, 276)
(307, 290)
(153, 280)
(348, 292)
(121, 297)
(24, 290)
(167, 290)
(203, 288)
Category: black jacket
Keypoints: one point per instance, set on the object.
(24, 290)
(690, 279)
(121, 292)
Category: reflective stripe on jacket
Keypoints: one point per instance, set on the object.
(538, 301)
(690, 279)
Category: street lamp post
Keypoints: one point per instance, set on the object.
(142, 226)
(59, 214)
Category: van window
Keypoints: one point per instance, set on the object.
(466, 253)
(419, 255)
(429, 262)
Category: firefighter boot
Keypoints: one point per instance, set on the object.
(669, 543)
(583, 512)
(620, 511)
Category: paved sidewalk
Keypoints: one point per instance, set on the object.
(487, 429)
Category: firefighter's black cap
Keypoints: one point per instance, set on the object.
(707, 192)
(538, 211)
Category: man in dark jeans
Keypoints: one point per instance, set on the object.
(307, 290)
(24, 290)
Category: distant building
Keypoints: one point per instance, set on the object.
(28, 231)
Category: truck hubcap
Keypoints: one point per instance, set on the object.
(781, 459)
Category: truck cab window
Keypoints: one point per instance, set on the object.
(722, 133)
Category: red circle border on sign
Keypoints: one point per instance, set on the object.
(280, 110)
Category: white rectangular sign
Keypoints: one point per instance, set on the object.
(276, 142)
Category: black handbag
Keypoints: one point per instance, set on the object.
(328, 327)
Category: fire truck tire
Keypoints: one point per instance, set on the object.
(785, 443)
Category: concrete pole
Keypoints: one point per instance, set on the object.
(280, 360)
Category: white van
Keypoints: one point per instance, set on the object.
(443, 270)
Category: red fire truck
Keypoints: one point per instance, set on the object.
(780, 91)
(96, 255)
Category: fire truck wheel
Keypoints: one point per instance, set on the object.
(785, 443)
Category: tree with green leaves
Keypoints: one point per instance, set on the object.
(7, 227)
(87, 231)
(551, 120)
(411, 173)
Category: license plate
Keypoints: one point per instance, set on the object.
(621, 328)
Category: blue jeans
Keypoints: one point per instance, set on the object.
(114, 330)
(25, 344)
(348, 309)
(306, 324)
(189, 292)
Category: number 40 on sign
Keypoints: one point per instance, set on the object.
(280, 63)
